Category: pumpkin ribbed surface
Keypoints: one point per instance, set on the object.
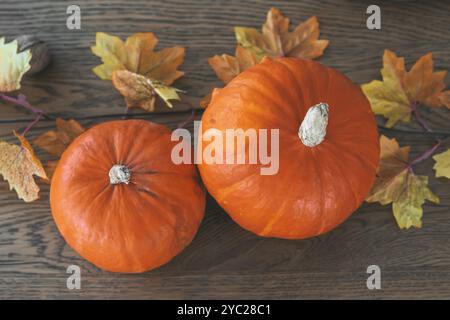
(316, 188)
(120, 202)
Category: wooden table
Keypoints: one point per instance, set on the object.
(224, 261)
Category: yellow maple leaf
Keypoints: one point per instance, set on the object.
(13, 65)
(276, 40)
(395, 96)
(56, 141)
(397, 184)
(137, 56)
(140, 91)
(18, 164)
(408, 206)
(442, 165)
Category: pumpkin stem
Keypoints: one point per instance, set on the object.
(313, 129)
(119, 174)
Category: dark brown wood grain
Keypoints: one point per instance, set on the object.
(225, 261)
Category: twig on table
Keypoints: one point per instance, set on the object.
(21, 100)
(425, 155)
(418, 117)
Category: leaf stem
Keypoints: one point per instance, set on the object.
(429, 152)
(32, 123)
(425, 155)
(21, 100)
(101, 116)
(191, 116)
(188, 119)
(427, 133)
(418, 117)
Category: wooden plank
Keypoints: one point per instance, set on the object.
(225, 261)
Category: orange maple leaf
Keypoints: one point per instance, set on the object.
(401, 90)
(56, 141)
(227, 67)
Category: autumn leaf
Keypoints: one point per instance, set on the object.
(397, 184)
(140, 91)
(400, 91)
(56, 141)
(227, 67)
(408, 207)
(251, 40)
(13, 65)
(18, 164)
(442, 165)
(276, 40)
(137, 56)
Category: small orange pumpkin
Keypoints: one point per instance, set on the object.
(120, 202)
(328, 148)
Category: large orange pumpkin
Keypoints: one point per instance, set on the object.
(120, 202)
(328, 148)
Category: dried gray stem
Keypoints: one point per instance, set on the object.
(119, 174)
(313, 129)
